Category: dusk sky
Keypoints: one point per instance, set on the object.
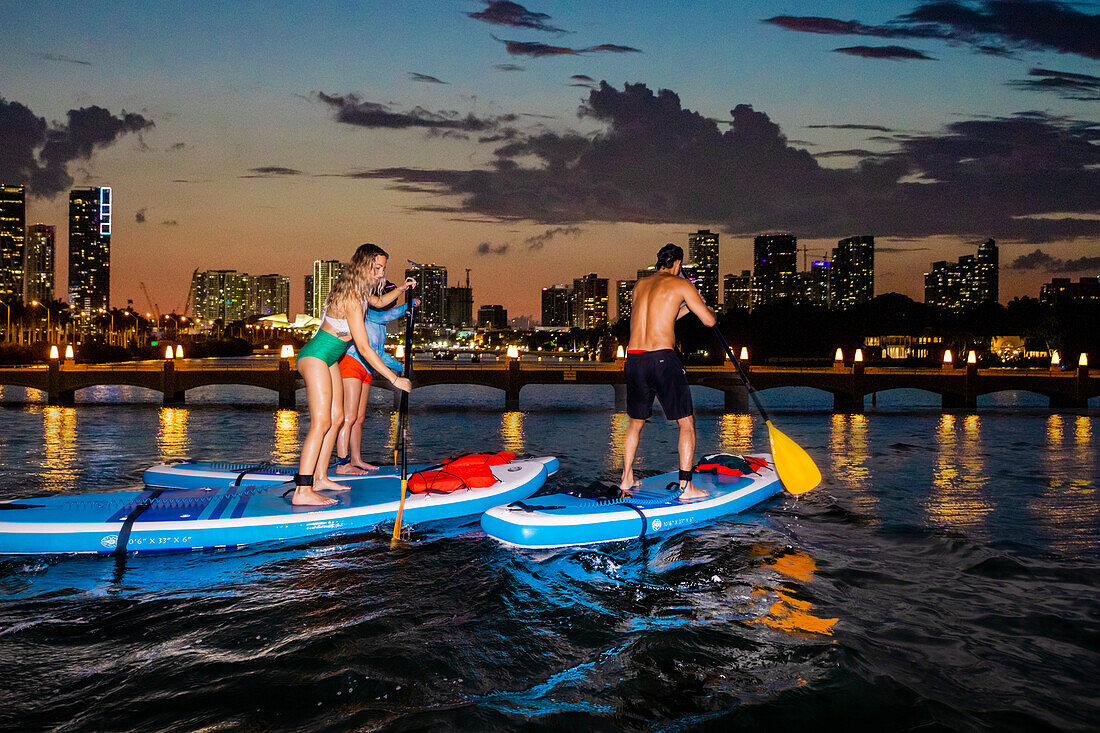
(537, 142)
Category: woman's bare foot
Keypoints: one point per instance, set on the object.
(323, 483)
(306, 496)
(349, 469)
(368, 467)
(691, 493)
(628, 484)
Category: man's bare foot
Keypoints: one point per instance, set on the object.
(690, 493)
(306, 496)
(323, 483)
(349, 469)
(628, 484)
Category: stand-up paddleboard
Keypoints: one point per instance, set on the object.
(230, 516)
(580, 518)
(207, 474)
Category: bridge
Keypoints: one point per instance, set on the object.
(848, 384)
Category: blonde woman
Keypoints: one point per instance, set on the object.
(359, 286)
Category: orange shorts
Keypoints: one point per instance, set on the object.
(352, 368)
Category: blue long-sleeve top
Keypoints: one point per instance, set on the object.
(375, 322)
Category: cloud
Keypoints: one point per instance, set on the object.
(1040, 260)
(170, 223)
(850, 126)
(178, 146)
(539, 240)
(582, 77)
(271, 171)
(884, 52)
(491, 249)
(613, 48)
(64, 59)
(38, 154)
(989, 26)
(352, 110)
(538, 50)
(655, 161)
(502, 12)
(426, 79)
(1083, 87)
(508, 67)
(897, 250)
(139, 217)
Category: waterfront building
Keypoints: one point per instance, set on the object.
(431, 286)
(957, 286)
(774, 274)
(737, 291)
(624, 299)
(646, 272)
(590, 301)
(852, 272)
(1062, 290)
(325, 273)
(459, 311)
(38, 265)
(703, 254)
(13, 220)
(557, 306)
(90, 248)
(492, 317)
(270, 295)
(820, 284)
(221, 295)
(307, 306)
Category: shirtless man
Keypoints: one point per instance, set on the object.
(654, 369)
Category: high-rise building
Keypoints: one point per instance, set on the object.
(459, 312)
(853, 272)
(646, 272)
(38, 264)
(13, 221)
(307, 306)
(973, 280)
(774, 273)
(90, 248)
(492, 316)
(589, 301)
(624, 299)
(431, 288)
(271, 295)
(325, 273)
(703, 253)
(819, 287)
(557, 306)
(737, 291)
(1062, 290)
(221, 295)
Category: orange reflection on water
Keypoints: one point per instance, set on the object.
(849, 455)
(735, 433)
(287, 447)
(511, 432)
(172, 439)
(620, 421)
(787, 613)
(59, 431)
(959, 481)
(1068, 508)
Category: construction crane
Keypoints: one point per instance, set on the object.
(152, 306)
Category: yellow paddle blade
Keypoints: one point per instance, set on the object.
(795, 467)
(400, 510)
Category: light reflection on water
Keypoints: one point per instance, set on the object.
(620, 421)
(511, 432)
(172, 437)
(959, 500)
(59, 431)
(287, 446)
(1068, 509)
(850, 454)
(735, 433)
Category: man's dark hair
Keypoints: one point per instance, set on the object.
(669, 253)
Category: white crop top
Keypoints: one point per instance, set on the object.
(339, 324)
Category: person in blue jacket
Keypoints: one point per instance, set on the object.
(357, 377)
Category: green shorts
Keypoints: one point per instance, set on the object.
(324, 346)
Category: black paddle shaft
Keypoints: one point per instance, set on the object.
(403, 411)
(744, 377)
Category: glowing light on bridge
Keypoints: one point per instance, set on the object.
(839, 355)
(513, 352)
(744, 353)
(947, 356)
(971, 358)
(1055, 360)
(286, 352)
(69, 351)
(179, 351)
(53, 353)
(1084, 360)
(859, 355)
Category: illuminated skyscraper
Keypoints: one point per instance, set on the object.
(221, 295)
(589, 301)
(969, 282)
(853, 272)
(774, 272)
(307, 306)
(820, 284)
(737, 291)
(557, 306)
(431, 288)
(624, 299)
(460, 306)
(325, 273)
(986, 276)
(13, 217)
(38, 264)
(89, 248)
(703, 254)
(270, 295)
(492, 317)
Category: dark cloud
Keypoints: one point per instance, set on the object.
(178, 146)
(582, 77)
(539, 241)
(271, 171)
(989, 26)
(656, 161)
(503, 12)
(426, 79)
(139, 217)
(1083, 87)
(352, 110)
(537, 50)
(64, 59)
(38, 154)
(1040, 260)
(509, 67)
(851, 153)
(897, 250)
(491, 249)
(873, 128)
(613, 48)
(885, 52)
(170, 223)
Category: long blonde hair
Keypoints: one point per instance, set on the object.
(356, 281)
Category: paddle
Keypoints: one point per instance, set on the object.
(795, 467)
(403, 419)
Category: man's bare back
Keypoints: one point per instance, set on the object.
(658, 301)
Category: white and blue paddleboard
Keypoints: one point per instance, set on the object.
(563, 519)
(230, 516)
(207, 474)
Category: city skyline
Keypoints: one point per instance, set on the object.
(265, 157)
